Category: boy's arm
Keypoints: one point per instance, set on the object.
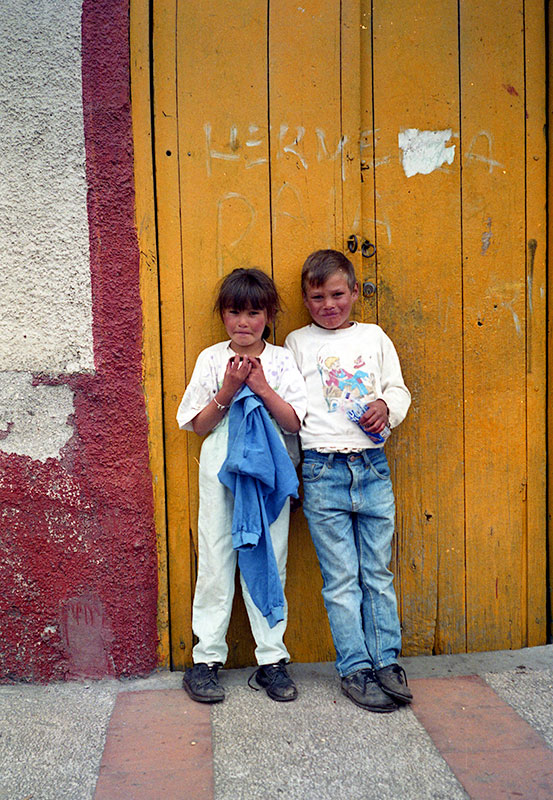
(395, 393)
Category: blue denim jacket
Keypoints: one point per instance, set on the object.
(260, 474)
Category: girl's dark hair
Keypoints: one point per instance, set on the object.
(321, 264)
(248, 288)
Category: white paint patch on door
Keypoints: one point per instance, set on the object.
(45, 292)
(424, 151)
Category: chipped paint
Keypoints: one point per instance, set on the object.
(35, 420)
(487, 236)
(424, 151)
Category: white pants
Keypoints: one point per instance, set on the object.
(217, 566)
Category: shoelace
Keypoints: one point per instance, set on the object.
(273, 674)
(278, 673)
(368, 676)
(252, 676)
(208, 676)
(250, 679)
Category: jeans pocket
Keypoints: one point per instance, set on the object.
(379, 464)
(312, 471)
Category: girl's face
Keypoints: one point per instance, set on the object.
(245, 329)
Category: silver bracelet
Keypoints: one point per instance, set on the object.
(220, 406)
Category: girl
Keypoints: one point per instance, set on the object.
(248, 303)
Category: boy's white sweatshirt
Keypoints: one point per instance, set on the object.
(341, 367)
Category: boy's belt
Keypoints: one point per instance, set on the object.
(334, 456)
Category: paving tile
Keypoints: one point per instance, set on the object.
(476, 720)
(492, 751)
(158, 744)
(516, 775)
(322, 747)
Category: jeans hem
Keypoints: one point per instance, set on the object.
(353, 671)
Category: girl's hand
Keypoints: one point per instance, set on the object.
(375, 417)
(236, 373)
(256, 380)
(279, 409)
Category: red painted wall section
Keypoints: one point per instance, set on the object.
(78, 569)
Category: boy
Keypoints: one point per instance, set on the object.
(348, 496)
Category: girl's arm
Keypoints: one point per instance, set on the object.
(235, 375)
(279, 409)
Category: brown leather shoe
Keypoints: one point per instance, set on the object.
(393, 681)
(363, 690)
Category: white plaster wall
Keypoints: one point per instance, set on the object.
(45, 299)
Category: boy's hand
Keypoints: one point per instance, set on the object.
(256, 379)
(375, 417)
(236, 374)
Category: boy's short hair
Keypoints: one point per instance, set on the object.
(248, 288)
(321, 264)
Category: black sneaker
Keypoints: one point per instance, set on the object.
(202, 684)
(363, 690)
(275, 679)
(393, 681)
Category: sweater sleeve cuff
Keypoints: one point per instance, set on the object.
(275, 616)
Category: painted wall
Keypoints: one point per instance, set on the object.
(77, 549)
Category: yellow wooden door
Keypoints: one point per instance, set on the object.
(417, 128)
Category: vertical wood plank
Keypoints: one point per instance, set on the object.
(370, 226)
(224, 187)
(415, 57)
(353, 217)
(146, 228)
(307, 99)
(306, 141)
(494, 252)
(550, 319)
(172, 321)
(536, 336)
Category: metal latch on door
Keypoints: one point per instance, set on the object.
(368, 289)
(368, 250)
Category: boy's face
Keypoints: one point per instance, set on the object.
(330, 304)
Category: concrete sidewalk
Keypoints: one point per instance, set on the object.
(483, 737)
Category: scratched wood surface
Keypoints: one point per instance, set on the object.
(166, 155)
(550, 300)
(224, 176)
(370, 226)
(419, 131)
(151, 365)
(494, 252)
(536, 336)
(420, 307)
(306, 143)
(307, 191)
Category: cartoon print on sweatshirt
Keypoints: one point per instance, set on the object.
(344, 385)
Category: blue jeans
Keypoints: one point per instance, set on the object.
(349, 505)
